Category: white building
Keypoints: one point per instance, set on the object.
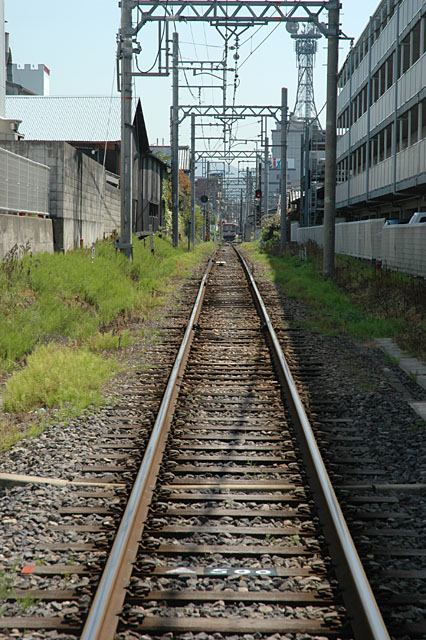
(298, 163)
(381, 149)
(294, 145)
(34, 78)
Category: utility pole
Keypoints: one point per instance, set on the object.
(248, 197)
(241, 217)
(283, 170)
(331, 139)
(193, 179)
(307, 163)
(175, 141)
(126, 53)
(266, 173)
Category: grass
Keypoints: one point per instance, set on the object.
(58, 376)
(362, 300)
(9, 435)
(51, 297)
(7, 580)
(332, 311)
(109, 341)
(62, 317)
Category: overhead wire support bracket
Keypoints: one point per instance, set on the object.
(230, 111)
(232, 12)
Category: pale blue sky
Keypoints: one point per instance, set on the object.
(77, 41)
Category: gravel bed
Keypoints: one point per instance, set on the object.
(372, 393)
(359, 378)
(30, 513)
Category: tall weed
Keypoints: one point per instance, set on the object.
(58, 376)
(54, 296)
(333, 309)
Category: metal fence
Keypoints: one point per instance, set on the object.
(24, 185)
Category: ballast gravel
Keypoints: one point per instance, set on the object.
(356, 376)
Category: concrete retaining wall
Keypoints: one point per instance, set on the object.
(17, 230)
(399, 247)
(82, 204)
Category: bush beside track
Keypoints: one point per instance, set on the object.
(61, 315)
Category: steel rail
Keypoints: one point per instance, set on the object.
(366, 619)
(102, 619)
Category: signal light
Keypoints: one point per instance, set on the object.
(258, 194)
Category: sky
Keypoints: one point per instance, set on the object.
(77, 42)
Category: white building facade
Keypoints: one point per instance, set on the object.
(381, 149)
(295, 134)
(35, 78)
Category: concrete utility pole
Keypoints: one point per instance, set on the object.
(175, 141)
(126, 52)
(193, 179)
(266, 173)
(283, 170)
(331, 139)
(241, 216)
(307, 162)
(249, 224)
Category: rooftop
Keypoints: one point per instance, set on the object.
(90, 118)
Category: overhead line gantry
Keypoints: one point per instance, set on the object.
(229, 14)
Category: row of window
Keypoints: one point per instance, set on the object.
(396, 64)
(410, 128)
(378, 23)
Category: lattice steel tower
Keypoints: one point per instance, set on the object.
(306, 48)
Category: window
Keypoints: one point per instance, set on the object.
(415, 53)
(388, 140)
(390, 64)
(414, 124)
(423, 119)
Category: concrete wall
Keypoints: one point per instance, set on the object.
(90, 206)
(398, 247)
(403, 248)
(16, 230)
(82, 205)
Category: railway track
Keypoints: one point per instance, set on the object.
(231, 527)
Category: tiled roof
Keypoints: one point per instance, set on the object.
(88, 118)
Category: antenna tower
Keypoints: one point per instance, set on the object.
(306, 47)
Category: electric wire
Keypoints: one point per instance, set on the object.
(159, 46)
(102, 189)
(260, 44)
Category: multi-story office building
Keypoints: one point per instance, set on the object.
(295, 133)
(305, 165)
(381, 149)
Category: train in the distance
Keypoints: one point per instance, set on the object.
(229, 231)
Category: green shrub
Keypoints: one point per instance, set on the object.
(56, 376)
